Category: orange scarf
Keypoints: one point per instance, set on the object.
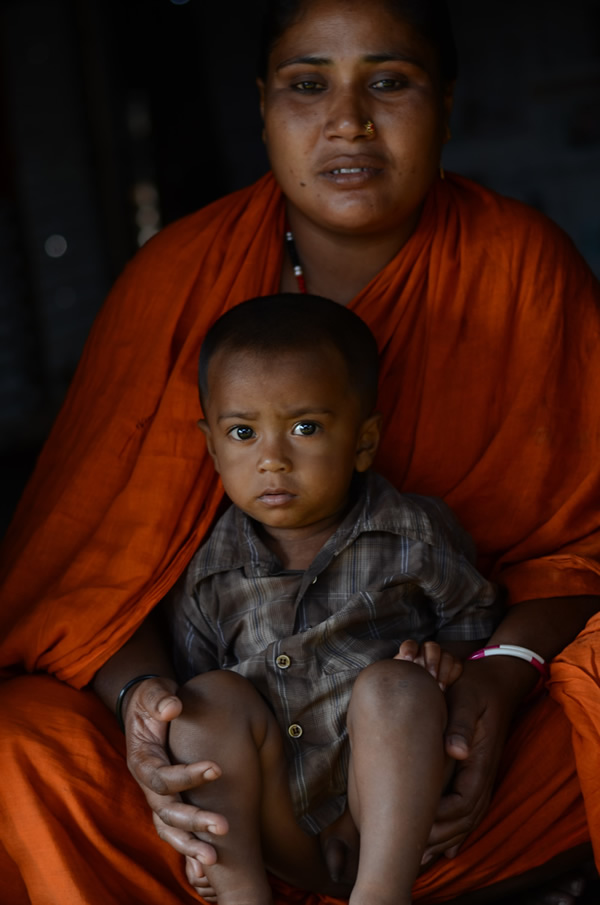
(488, 323)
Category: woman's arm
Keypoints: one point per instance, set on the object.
(143, 654)
(482, 704)
(148, 708)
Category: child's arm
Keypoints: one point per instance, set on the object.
(444, 664)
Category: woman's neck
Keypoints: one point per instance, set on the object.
(339, 266)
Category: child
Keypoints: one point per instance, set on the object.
(288, 621)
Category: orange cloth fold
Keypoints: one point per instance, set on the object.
(488, 323)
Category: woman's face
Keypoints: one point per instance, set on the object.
(345, 62)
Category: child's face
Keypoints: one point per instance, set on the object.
(286, 434)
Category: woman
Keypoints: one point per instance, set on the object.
(490, 395)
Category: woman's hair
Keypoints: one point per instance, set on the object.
(272, 324)
(430, 18)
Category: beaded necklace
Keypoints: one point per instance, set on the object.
(297, 266)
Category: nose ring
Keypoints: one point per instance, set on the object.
(369, 128)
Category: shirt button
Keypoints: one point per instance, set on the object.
(295, 731)
(314, 581)
(283, 661)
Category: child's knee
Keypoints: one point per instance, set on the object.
(224, 718)
(216, 690)
(389, 685)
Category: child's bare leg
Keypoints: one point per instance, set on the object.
(224, 719)
(221, 717)
(398, 769)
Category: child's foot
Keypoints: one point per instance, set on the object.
(204, 889)
(242, 892)
(199, 881)
(378, 896)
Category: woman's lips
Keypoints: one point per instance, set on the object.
(351, 170)
(351, 176)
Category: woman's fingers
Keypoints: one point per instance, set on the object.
(155, 699)
(461, 727)
(187, 817)
(449, 670)
(461, 810)
(151, 768)
(185, 843)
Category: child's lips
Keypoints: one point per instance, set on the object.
(276, 497)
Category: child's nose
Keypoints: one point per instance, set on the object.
(274, 458)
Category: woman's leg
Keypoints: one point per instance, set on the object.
(74, 824)
(398, 769)
(224, 719)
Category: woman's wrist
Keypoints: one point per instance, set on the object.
(124, 694)
(144, 654)
(167, 690)
(511, 678)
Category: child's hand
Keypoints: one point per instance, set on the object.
(444, 667)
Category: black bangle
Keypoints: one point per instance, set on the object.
(123, 692)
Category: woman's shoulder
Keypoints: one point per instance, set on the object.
(506, 233)
(493, 214)
(217, 218)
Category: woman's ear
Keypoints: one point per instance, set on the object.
(448, 103)
(261, 95)
(203, 425)
(261, 92)
(368, 441)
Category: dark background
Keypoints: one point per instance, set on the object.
(118, 116)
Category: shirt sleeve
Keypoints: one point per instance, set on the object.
(467, 606)
(193, 638)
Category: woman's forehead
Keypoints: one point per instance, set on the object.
(315, 14)
(376, 25)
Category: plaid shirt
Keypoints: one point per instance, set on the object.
(399, 566)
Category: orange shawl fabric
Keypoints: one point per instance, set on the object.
(488, 324)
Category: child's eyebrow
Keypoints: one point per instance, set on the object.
(305, 411)
(240, 416)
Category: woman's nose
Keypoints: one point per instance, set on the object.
(347, 117)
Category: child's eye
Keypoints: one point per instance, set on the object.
(305, 429)
(241, 432)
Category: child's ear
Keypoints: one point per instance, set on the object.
(203, 425)
(368, 441)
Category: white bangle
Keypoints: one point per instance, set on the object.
(513, 650)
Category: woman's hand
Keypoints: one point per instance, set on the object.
(480, 709)
(481, 705)
(440, 663)
(150, 707)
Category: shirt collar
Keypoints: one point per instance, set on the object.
(235, 542)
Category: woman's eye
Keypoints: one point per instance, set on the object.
(306, 86)
(389, 84)
(305, 429)
(241, 432)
